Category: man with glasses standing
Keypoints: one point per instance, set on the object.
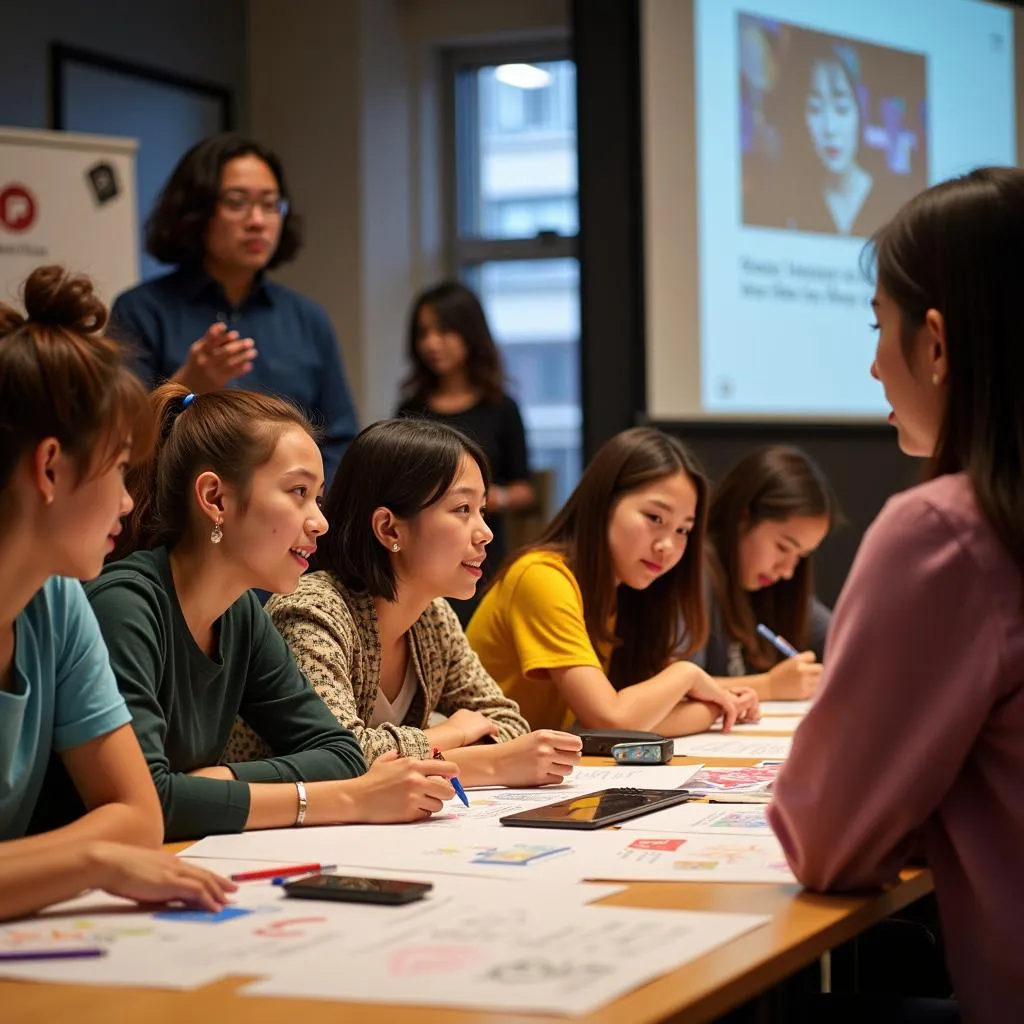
(222, 220)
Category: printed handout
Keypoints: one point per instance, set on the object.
(703, 819)
(785, 707)
(512, 958)
(710, 744)
(259, 931)
(486, 807)
(770, 724)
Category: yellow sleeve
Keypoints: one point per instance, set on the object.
(545, 614)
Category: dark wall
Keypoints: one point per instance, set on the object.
(863, 463)
(204, 39)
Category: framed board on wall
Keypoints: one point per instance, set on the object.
(165, 112)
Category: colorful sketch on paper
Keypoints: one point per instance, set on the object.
(413, 960)
(83, 932)
(519, 855)
(736, 820)
(664, 845)
(729, 854)
(732, 780)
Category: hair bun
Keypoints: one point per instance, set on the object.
(55, 297)
(10, 319)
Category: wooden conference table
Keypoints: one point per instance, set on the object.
(802, 929)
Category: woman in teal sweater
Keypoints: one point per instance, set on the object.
(72, 417)
(231, 502)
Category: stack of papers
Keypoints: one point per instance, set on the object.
(471, 942)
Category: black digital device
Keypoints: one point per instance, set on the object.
(353, 889)
(599, 742)
(596, 810)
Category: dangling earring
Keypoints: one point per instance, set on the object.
(394, 547)
(935, 379)
(216, 534)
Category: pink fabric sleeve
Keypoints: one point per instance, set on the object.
(911, 675)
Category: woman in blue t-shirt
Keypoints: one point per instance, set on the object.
(71, 419)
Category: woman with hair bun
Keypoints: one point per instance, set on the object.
(73, 418)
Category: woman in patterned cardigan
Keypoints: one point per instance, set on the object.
(371, 629)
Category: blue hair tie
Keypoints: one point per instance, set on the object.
(187, 400)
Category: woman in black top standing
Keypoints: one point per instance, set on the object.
(457, 377)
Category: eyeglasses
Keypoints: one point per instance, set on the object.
(241, 204)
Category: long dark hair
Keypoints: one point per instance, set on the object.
(403, 465)
(666, 620)
(956, 248)
(176, 227)
(229, 432)
(457, 310)
(61, 377)
(773, 483)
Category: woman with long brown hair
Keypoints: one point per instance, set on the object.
(768, 515)
(914, 743)
(589, 621)
(457, 377)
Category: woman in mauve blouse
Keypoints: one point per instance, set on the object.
(915, 743)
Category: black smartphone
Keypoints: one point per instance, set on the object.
(596, 810)
(353, 889)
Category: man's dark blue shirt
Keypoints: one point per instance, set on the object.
(298, 355)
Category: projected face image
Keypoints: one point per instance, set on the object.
(832, 129)
(832, 116)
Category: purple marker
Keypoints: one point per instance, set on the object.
(7, 956)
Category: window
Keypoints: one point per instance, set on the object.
(514, 222)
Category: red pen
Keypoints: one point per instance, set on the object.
(295, 869)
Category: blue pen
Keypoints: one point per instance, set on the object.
(285, 879)
(776, 641)
(456, 785)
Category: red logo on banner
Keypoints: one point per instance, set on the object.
(17, 208)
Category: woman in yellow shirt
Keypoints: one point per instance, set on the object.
(589, 621)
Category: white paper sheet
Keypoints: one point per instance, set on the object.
(514, 959)
(709, 744)
(508, 854)
(554, 856)
(655, 856)
(486, 806)
(776, 724)
(785, 707)
(264, 929)
(704, 819)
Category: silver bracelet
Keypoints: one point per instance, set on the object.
(303, 804)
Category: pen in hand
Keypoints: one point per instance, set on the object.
(781, 645)
(456, 785)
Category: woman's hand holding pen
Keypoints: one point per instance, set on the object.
(400, 789)
(795, 678)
